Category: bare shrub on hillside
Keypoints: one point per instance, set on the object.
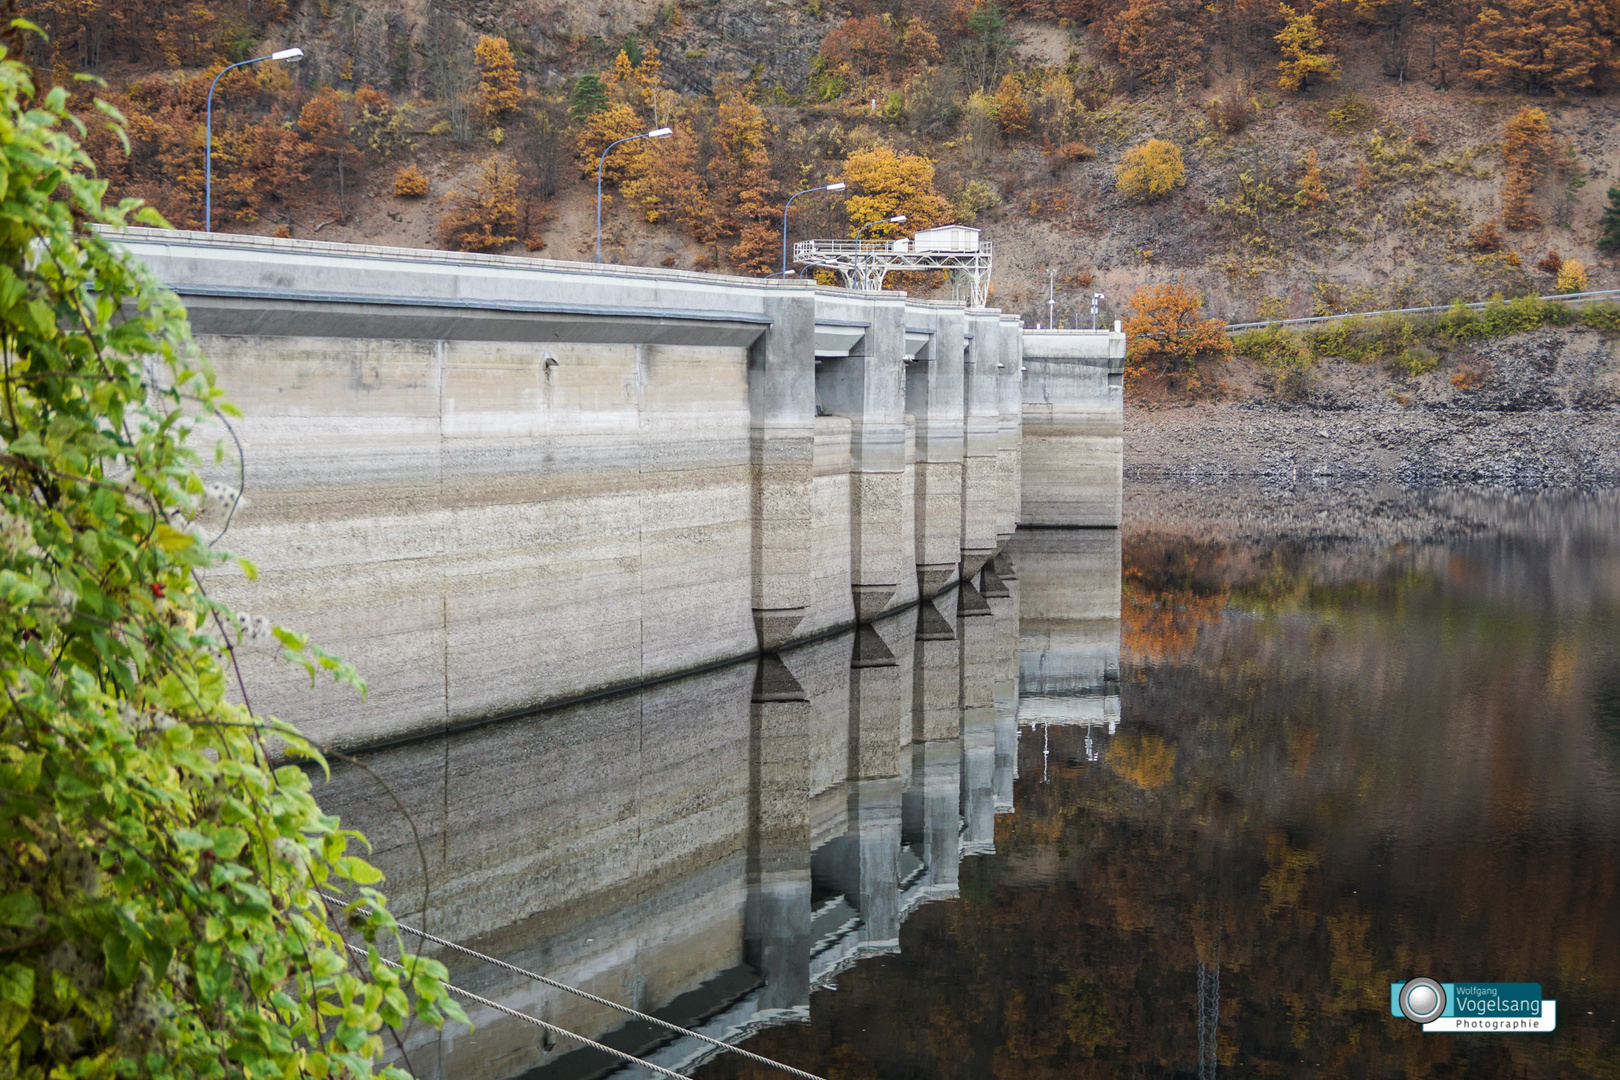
(1486, 238)
(1231, 115)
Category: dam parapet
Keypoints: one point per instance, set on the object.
(499, 484)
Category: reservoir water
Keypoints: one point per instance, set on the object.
(1177, 800)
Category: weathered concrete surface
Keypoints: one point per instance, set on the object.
(664, 844)
(1069, 626)
(1073, 447)
(498, 484)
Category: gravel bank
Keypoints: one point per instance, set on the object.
(1538, 409)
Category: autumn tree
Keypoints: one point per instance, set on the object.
(325, 121)
(635, 81)
(670, 186)
(599, 130)
(740, 188)
(1305, 49)
(1572, 276)
(917, 47)
(863, 45)
(378, 128)
(259, 166)
(488, 216)
(1157, 41)
(499, 90)
(410, 183)
(886, 183)
(1012, 107)
(1168, 333)
(1151, 171)
(1538, 45)
(1609, 224)
(1310, 192)
(1526, 145)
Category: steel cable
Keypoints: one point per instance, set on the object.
(554, 984)
(535, 1020)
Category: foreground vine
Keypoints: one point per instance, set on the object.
(160, 875)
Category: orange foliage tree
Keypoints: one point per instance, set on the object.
(601, 129)
(865, 45)
(1305, 49)
(259, 164)
(1012, 107)
(487, 217)
(1150, 171)
(1157, 41)
(741, 191)
(1526, 144)
(499, 88)
(1540, 45)
(886, 183)
(325, 122)
(1168, 334)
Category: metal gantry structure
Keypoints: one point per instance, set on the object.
(863, 264)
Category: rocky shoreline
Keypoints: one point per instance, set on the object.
(1536, 410)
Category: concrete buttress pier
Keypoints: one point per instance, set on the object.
(498, 485)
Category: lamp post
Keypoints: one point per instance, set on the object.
(292, 56)
(897, 219)
(783, 274)
(827, 187)
(655, 133)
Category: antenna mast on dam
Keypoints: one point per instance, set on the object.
(955, 249)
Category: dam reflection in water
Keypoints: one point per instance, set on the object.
(712, 849)
(1256, 779)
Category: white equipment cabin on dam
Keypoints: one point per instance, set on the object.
(497, 484)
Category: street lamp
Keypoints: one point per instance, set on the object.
(291, 56)
(655, 133)
(828, 187)
(897, 219)
(783, 274)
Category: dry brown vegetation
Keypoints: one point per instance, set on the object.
(1330, 157)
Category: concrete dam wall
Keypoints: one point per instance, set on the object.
(499, 484)
(718, 847)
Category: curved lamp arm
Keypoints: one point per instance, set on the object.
(292, 56)
(656, 133)
(839, 186)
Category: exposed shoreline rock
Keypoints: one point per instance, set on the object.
(1538, 409)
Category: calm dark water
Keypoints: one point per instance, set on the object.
(1179, 801)
(1337, 765)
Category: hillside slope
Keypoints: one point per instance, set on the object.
(1358, 192)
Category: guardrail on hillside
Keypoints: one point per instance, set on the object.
(1478, 306)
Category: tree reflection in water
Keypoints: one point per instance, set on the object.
(1338, 765)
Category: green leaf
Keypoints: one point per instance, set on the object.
(123, 958)
(229, 842)
(17, 985)
(359, 871)
(170, 539)
(190, 840)
(21, 909)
